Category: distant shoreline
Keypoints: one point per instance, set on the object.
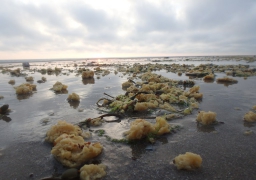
(77, 59)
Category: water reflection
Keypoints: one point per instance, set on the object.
(62, 92)
(23, 96)
(205, 128)
(88, 81)
(248, 124)
(208, 80)
(5, 118)
(74, 104)
(138, 148)
(227, 83)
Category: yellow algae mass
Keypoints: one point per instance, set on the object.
(161, 126)
(58, 86)
(87, 74)
(73, 97)
(250, 116)
(188, 161)
(60, 128)
(92, 172)
(72, 151)
(25, 88)
(206, 117)
(139, 129)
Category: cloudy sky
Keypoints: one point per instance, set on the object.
(126, 28)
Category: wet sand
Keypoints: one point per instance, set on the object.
(227, 153)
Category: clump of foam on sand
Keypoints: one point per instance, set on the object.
(25, 88)
(209, 77)
(12, 81)
(60, 128)
(58, 86)
(250, 116)
(73, 151)
(73, 97)
(127, 84)
(227, 79)
(87, 74)
(206, 118)
(30, 78)
(92, 172)
(140, 128)
(188, 161)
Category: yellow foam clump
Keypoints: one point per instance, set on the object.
(127, 84)
(25, 88)
(161, 126)
(72, 151)
(87, 74)
(73, 97)
(92, 172)
(139, 129)
(206, 117)
(188, 161)
(60, 128)
(58, 86)
(250, 116)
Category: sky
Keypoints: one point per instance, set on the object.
(43, 29)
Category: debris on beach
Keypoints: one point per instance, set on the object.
(226, 80)
(188, 161)
(141, 128)
(209, 77)
(69, 146)
(73, 97)
(250, 116)
(58, 87)
(4, 109)
(12, 82)
(87, 74)
(254, 107)
(1, 97)
(92, 172)
(62, 127)
(206, 118)
(29, 78)
(25, 88)
(73, 151)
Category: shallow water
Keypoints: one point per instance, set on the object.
(227, 153)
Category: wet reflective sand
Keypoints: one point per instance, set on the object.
(227, 153)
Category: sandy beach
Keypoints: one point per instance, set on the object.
(227, 152)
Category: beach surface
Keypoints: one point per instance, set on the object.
(227, 151)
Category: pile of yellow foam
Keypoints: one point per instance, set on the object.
(25, 88)
(92, 172)
(227, 79)
(140, 128)
(73, 151)
(127, 84)
(250, 116)
(12, 81)
(69, 145)
(62, 127)
(58, 86)
(73, 97)
(206, 117)
(188, 161)
(30, 78)
(209, 77)
(87, 74)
